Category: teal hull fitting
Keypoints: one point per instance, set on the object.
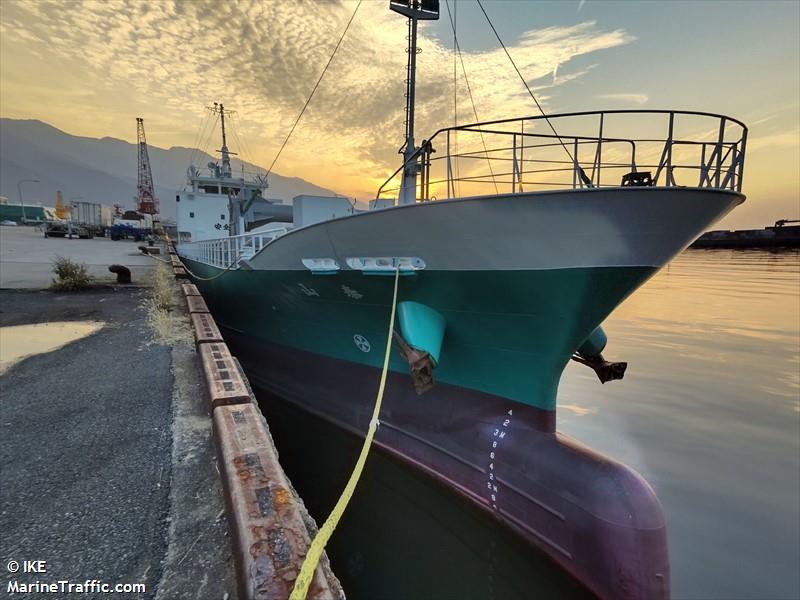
(422, 328)
(508, 333)
(595, 343)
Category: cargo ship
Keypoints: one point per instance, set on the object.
(512, 241)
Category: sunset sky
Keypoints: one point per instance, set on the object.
(90, 67)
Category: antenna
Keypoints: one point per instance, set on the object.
(226, 154)
(414, 10)
(146, 201)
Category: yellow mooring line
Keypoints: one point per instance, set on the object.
(323, 535)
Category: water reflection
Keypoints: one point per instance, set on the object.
(709, 413)
(18, 342)
(404, 536)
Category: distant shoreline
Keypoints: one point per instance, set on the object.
(779, 235)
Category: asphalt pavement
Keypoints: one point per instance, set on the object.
(106, 462)
(26, 257)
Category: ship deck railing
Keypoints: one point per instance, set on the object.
(227, 252)
(598, 149)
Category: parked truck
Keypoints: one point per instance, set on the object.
(65, 229)
(131, 225)
(87, 213)
(121, 230)
(91, 216)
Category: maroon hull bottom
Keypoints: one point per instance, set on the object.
(595, 517)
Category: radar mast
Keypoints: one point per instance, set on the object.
(414, 10)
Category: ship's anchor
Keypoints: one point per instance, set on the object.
(606, 371)
(420, 364)
(419, 337)
(590, 354)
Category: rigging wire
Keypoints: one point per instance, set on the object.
(240, 146)
(453, 22)
(316, 85)
(244, 143)
(469, 90)
(204, 147)
(455, 94)
(195, 139)
(583, 176)
(199, 136)
(244, 149)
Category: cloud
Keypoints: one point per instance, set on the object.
(166, 60)
(629, 98)
(774, 141)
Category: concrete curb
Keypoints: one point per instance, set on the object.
(190, 289)
(268, 523)
(205, 330)
(196, 304)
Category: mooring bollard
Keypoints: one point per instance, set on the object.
(123, 273)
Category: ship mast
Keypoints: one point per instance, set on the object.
(414, 10)
(226, 154)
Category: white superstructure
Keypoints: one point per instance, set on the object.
(216, 204)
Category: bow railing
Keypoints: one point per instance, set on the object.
(598, 149)
(228, 251)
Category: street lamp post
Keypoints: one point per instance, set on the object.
(19, 189)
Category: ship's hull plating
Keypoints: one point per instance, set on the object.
(595, 517)
(508, 333)
(520, 281)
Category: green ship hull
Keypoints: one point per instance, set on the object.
(508, 333)
(498, 293)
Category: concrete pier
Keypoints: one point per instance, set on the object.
(27, 257)
(270, 528)
(110, 471)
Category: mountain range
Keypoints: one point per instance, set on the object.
(104, 170)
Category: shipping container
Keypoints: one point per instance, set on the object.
(87, 213)
(106, 215)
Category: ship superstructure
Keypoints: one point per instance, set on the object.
(513, 248)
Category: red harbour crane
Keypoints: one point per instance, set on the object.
(146, 201)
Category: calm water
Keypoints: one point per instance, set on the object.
(709, 413)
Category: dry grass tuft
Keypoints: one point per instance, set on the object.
(163, 288)
(169, 327)
(70, 275)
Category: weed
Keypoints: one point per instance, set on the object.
(70, 275)
(161, 292)
(168, 327)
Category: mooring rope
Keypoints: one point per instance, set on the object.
(323, 535)
(195, 275)
(213, 277)
(169, 262)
